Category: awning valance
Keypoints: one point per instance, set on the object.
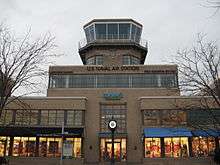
(167, 132)
(206, 133)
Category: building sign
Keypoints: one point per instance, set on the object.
(113, 96)
(67, 149)
(113, 68)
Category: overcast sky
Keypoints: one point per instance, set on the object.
(167, 24)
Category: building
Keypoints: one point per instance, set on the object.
(153, 118)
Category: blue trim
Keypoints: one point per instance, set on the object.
(167, 132)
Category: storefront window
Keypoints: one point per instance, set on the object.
(176, 147)
(152, 148)
(4, 146)
(119, 149)
(24, 146)
(51, 147)
(203, 146)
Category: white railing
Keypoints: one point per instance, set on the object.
(112, 39)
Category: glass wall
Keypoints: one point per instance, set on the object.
(203, 146)
(119, 149)
(176, 147)
(108, 31)
(115, 81)
(43, 117)
(112, 81)
(152, 148)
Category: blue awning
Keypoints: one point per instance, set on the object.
(206, 133)
(167, 132)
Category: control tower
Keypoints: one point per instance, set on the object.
(113, 42)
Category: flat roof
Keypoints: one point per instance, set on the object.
(113, 20)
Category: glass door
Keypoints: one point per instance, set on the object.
(108, 151)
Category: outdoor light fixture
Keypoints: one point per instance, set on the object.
(112, 125)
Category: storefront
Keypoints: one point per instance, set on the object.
(166, 142)
(120, 147)
(204, 142)
(36, 143)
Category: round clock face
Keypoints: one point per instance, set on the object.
(112, 124)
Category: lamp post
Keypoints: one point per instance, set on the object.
(112, 126)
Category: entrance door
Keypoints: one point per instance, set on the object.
(108, 151)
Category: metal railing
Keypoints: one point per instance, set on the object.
(113, 39)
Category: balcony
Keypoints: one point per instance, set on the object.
(113, 40)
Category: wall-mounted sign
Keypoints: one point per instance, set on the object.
(113, 96)
(113, 68)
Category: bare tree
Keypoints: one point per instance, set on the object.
(199, 69)
(22, 64)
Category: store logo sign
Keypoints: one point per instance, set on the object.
(113, 96)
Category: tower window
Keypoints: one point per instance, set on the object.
(95, 60)
(130, 60)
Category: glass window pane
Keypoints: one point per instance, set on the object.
(43, 147)
(152, 148)
(60, 117)
(19, 117)
(52, 117)
(81, 81)
(58, 81)
(144, 80)
(90, 61)
(77, 147)
(99, 60)
(126, 60)
(133, 32)
(34, 117)
(8, 117)
(100, 31)
(168, 80)
(113, 81)
(44, 117)
(138, 35)
(112, 31)
(124, 31)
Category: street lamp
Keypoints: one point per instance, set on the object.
(112, 126)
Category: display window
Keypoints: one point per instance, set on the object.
(24, 146)
(51, 147)
(203, 146)
(176, 147)
(4, 146)
(119, 149)
(77, 146)
(152, 148)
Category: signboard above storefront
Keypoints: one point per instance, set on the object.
(113, 68)
(113, 96)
